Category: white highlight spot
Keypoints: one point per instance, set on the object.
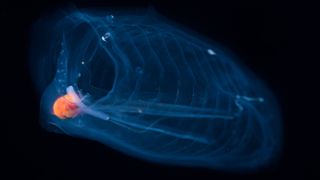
(82, 62)
(110, 18)
(139, 110)
(211, 52)
(106, 36)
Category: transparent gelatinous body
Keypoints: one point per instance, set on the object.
(154, 91)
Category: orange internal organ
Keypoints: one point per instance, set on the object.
(64, 107)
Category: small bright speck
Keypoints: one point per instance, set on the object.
(211, 52)
(110, 18)
(82, 62)
(106, 36)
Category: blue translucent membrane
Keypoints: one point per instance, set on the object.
(154, 91)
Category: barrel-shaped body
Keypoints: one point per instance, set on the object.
(156, 91)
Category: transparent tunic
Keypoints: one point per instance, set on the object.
(154, 90)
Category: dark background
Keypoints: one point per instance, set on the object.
(275, 39)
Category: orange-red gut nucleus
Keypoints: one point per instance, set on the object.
(64, 107)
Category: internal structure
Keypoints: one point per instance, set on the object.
(147, 87)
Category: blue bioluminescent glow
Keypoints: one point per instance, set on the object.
(151, 89)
